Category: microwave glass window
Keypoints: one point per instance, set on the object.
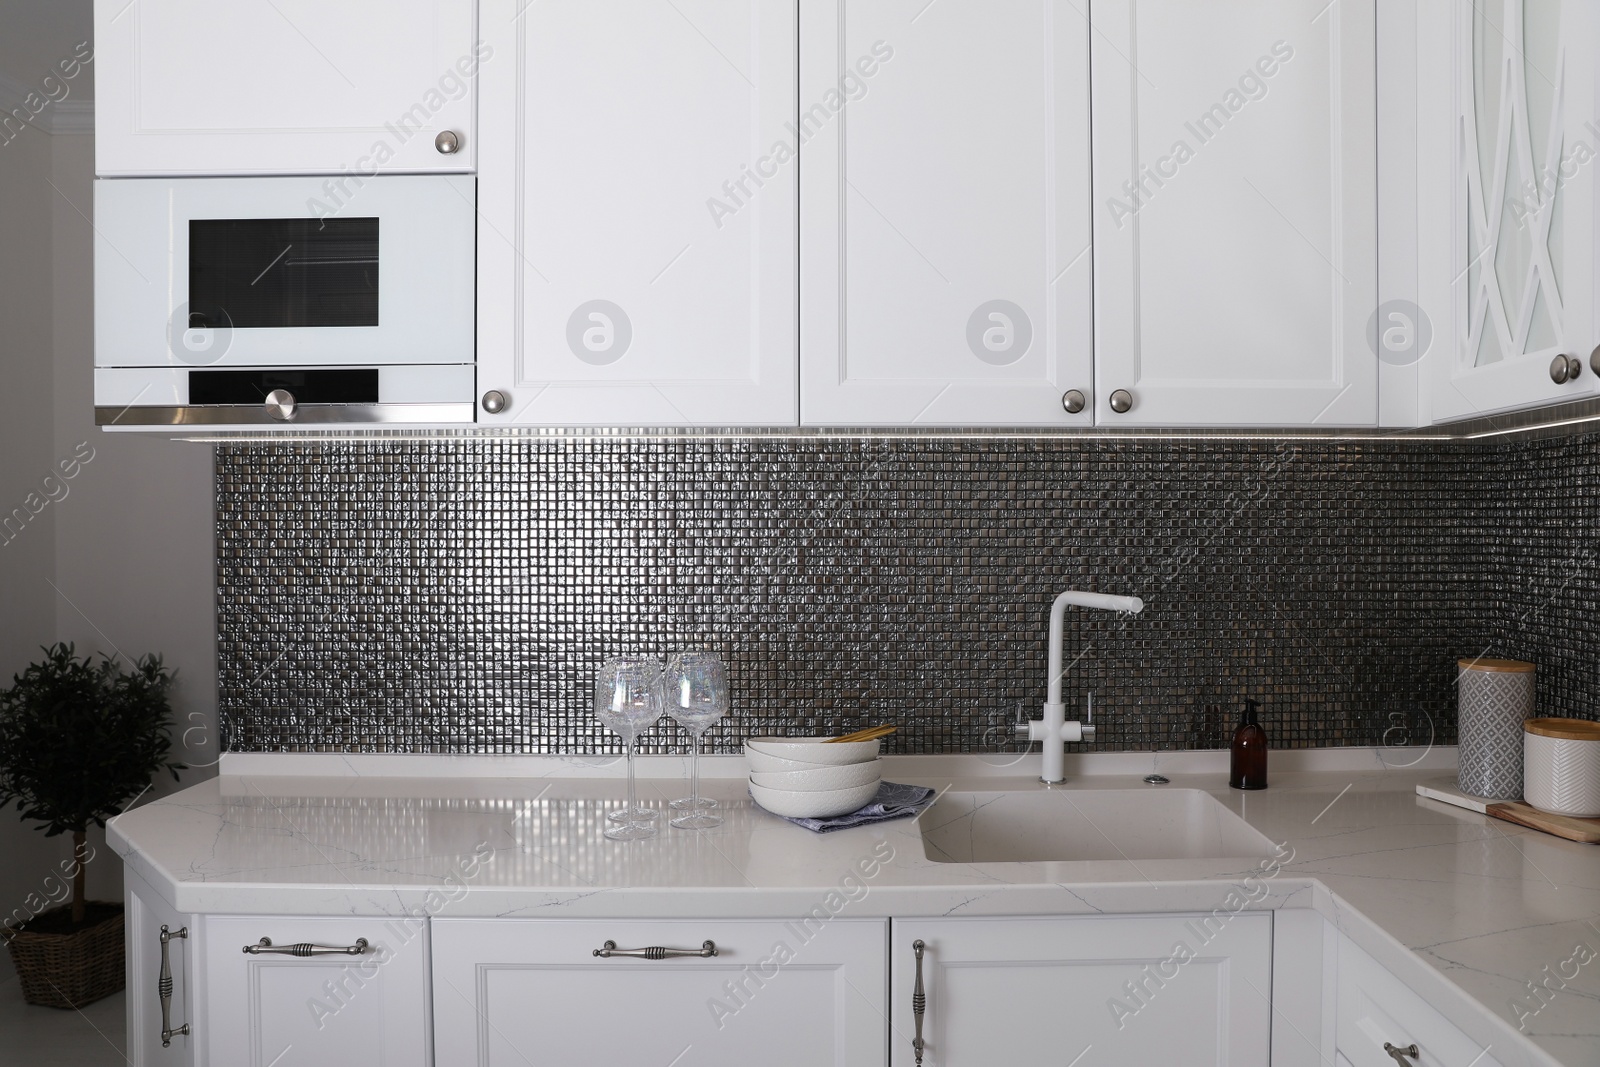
(282, 273)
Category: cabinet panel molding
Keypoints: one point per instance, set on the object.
(946, 268)
(1235, 222)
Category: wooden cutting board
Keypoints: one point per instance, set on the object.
(1523, 814)
(1445, 790)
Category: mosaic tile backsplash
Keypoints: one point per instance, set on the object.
(458, 596)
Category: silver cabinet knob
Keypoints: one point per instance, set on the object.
(1122, 401)
(281, 405)
(1594, 361)
(494, 401)
(1402, 1055)
(1565, 369)
(1073, 401)
(448, 142)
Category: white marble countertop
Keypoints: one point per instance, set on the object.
(1464, 909)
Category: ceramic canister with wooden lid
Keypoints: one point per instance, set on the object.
(1494, 698)
(1561, 766)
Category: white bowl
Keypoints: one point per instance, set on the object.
(762, 763)
(814, 749)
(820, 777)
(818, 804)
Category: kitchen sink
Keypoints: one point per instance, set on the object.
(1087, 824)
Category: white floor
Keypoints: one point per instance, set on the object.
(46, 1037)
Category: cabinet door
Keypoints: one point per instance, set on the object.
(1521, 238)
(514, 992)
(282, 86)
(1376, 1008)
(946, 268)
(145, 914)
(1235, 217)
(638, 199)
(1127, 989)
(317, 1011)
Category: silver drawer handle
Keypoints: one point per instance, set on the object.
(164, 989)
(265, 947)
(1399, 1054)
(656, 952)
(919, 1003)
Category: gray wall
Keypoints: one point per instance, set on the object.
(123, 561)
(27, 455)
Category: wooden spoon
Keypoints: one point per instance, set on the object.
(871, 733)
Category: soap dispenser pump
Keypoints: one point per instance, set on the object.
(1248, 766)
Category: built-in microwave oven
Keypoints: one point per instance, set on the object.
(273, 301)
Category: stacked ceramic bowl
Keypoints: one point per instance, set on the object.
(810, 777)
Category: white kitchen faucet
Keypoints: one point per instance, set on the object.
(1053, 729)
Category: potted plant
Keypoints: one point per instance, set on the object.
(78, 743)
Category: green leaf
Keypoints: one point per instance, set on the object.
(79, 740)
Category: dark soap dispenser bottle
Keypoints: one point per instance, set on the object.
(1248, 767)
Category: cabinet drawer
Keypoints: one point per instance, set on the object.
(1376, 1007)
(780, 994)
(306, 1011)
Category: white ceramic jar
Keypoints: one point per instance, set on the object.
(1561, 766)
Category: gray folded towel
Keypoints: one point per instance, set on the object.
(894, 801)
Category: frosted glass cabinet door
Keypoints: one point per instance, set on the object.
(1523, 208)
(637, 249)
(946, 269)
(283, 86)
(1235, 212)
(511, 992)
(1097, 990)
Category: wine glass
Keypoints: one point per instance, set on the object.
(695, 685)
(627, 699)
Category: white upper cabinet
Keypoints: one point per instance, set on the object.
(1235, 216)
(1509, 256)
(283, 86)
(946, 268)
(638, 203)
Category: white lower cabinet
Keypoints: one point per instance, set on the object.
(1201, 989)
(1376, 1008)
(281, 1009)
(145, 913)
(1144, 989)
(512, 992)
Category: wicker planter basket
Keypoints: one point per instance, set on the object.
(69, 970)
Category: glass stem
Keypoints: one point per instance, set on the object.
(694, 775)
(633, 803)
